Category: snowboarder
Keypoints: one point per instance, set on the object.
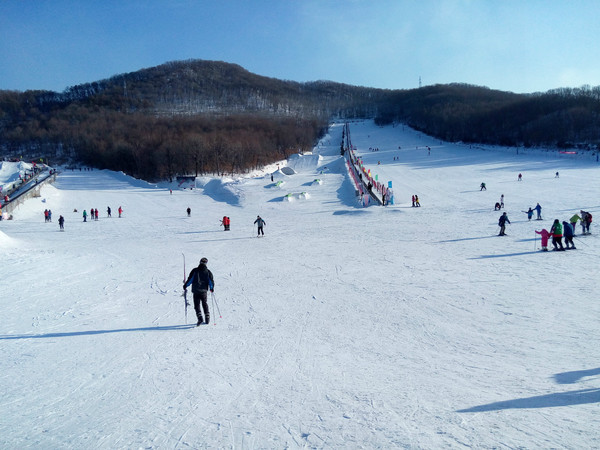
(189, 211)
(502, 201)
(482, 186)
(201, 279)
(538, 209)
(568, 234)
(502, 223)
(61, 223)
(260, 222)
(497, 206)
(545, 235)
(557, 233)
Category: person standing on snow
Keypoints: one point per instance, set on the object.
(545, 235)
(108, 211)
(538, 209)
(61, 222)
(573, 220)
(586, 220)
(120, 211)
(260, 222)
(225, 222)
(529, 213)
(202, 281)
(502, 223)
(557, 233)
(482, 186)
(568, 234)
(84, 215)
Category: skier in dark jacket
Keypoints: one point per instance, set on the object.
(260, 222)
(568, 235)
(502, 223)
(202, 281)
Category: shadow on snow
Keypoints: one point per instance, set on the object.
(580, 397)
(7, 337)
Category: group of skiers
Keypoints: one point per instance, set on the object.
(566, 230)
(93, 215)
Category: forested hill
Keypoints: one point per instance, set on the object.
(204, 116)
(211, 87)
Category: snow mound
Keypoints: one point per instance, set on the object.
(220, 189)
(303, 163)
(297, 196)
(288, 171)
(5, 241)
(279, 174)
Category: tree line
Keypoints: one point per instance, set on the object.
(194, 117)
(568, 117)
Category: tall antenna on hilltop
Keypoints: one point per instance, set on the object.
(419, 81)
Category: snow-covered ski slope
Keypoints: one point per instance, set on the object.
(344, 327)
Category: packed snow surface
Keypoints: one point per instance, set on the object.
(342, 327)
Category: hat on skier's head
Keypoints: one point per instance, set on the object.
(203, 261)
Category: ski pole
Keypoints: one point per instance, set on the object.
(216, 303)
(579, 240)
(184, 289)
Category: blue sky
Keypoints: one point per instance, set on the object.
(512, 45)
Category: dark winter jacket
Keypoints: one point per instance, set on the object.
(201, 279)
(567, 229)
(503, 219)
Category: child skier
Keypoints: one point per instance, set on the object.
(545, 235)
